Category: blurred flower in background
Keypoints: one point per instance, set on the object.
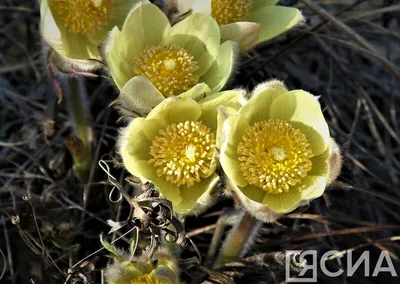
(248, 22)
(76, 28)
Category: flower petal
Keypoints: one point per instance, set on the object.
(283, 202)
(190, 195)
(263, 3)
(254, 208)
(152, 127)
(76, 46)
(209, 106)
(274, 20)
(120, 10)
(320, 164)
(137, 146)
(312, 187)
(223, 114)
(176, 110)
(254, 193)
(196, 6)
(120, 71)
(232, 132)
(144, 27)
(49, 29)
(304, 112)
(258, 107)
(140, 96)
(167, 189)
(199, 35)
(246, 34)
(197, 92)
(220, 72)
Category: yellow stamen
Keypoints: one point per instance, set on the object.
(230, 11)
(83, 16)
(183, 152)
(169, 67)
(145, 279)
(274, 156)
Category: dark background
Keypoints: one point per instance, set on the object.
(349, 56)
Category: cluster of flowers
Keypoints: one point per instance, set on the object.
(271, 147)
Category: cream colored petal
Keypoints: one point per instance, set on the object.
(152, 127)
(254, 193)
(190, 195)
(258, 107)
(263, 3)
(209, 115)
(222, 69)
(320, 164)
(312, 187)
(76, 46)
(246, 34)
(254, 208)
(140, 96)
(145, 26)
(176, 110)
(119, 13)
(223, 114)
(116, 55)
(232, 132)
(210, 105)
(200, 36)
(137, 146)
(275, 20)
(49, 29)
(304, 112)
(284, 202)
(197, 93)
(196, 6)
(149, 173)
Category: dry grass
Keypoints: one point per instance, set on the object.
(347, 52)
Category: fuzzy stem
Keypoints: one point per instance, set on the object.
(239, 240)
(81, 149)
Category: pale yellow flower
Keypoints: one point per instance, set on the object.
(248, 22)
(275, 149)
(75, 28)
(175, 148)
(148, 55)
(161, 268)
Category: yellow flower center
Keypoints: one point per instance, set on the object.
(230, 11)
(83, 16)
(274, 156)
(145, 279)
(169, 67)
(183, 152)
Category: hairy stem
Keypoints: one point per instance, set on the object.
(239, 240)
(80, 146)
